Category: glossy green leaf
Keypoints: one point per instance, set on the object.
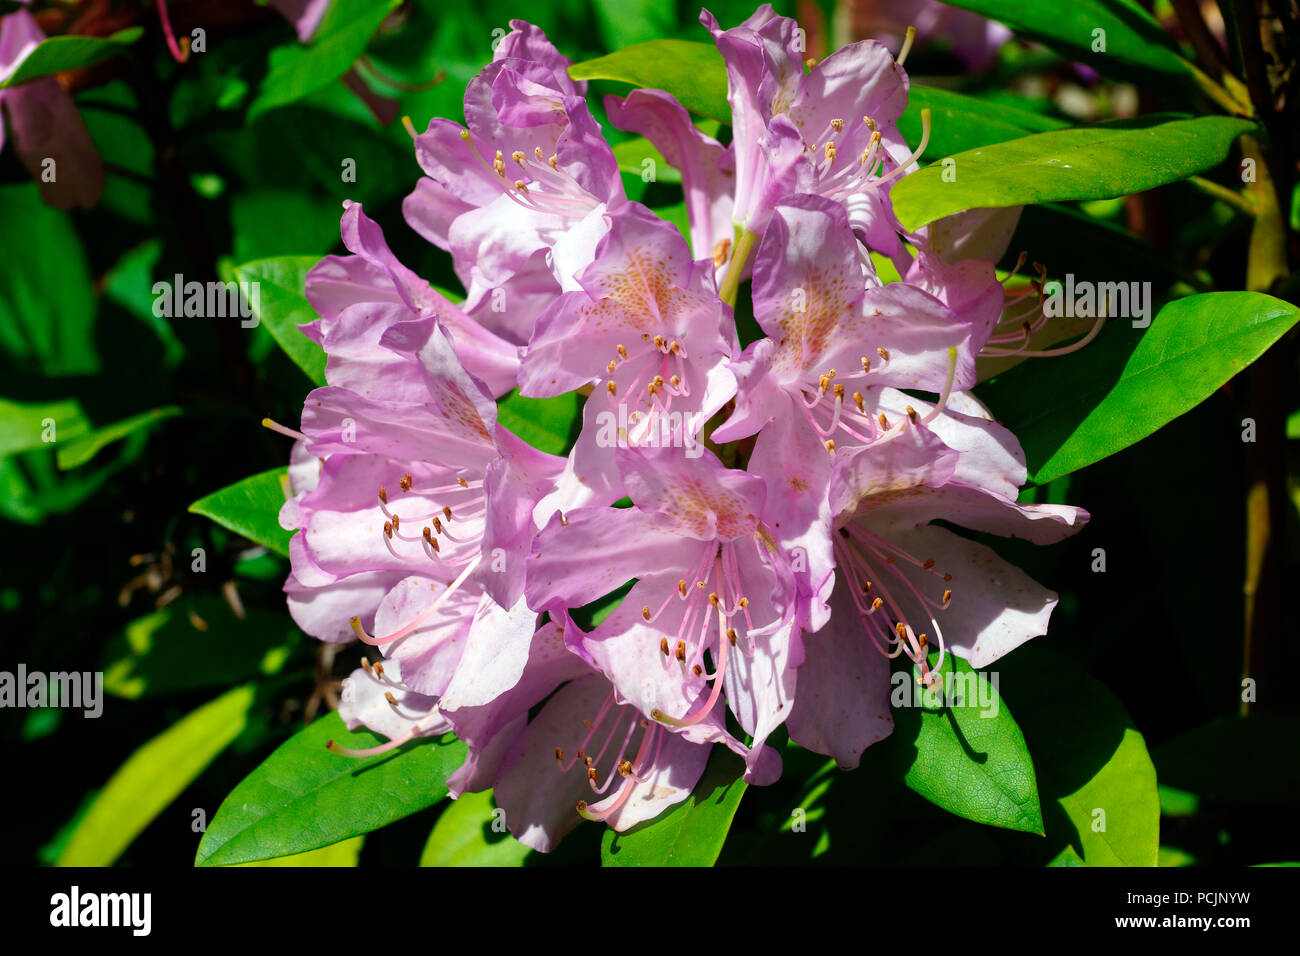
(1096, 777)
(282, 306)
(1093, 162)
(959, 122)
(693, 72)
(304, 797)
(298, 71)
(251, 507)
(153, 776)
(1114, 37)
(155, 654)
(71, 52)
(82, 449)
(960, 748)
(468, 834)
(1072, 411)
(691, 833)
(549, 424)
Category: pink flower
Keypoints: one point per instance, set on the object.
(709, 580)
(527, 181)
(835, 336)
(420, 519)
(584, 749)
(903, 585)
(655, 340)
(359, 297)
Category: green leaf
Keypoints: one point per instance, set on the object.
(631, 153)
(22, 424)
(1131, 43)
(282, 306)
(692, 72)
(464, 836)
(267, 222)
(153, 777)
(251, 507)
(47, 303)
(548, 424)
(691, 833)
(154, 654)
(959, 122)
(304, 797)
(960, 748)
(298, 71)
(1090, 758)
(343, 853)
(80, 450)
(623, 22)
(55, 54)
(1093, 162)
(1072, 411)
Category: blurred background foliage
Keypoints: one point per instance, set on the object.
(236, 155)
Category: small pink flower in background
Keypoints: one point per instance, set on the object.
(973, 38)
(44, 124)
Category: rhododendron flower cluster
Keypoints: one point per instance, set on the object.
(770, 503)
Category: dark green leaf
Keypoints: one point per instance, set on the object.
(1114, 37)
(82, 449)
(304, 797)
(154, 654)
(1250, 760)
(47, 304)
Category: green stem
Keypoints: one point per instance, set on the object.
(1223, 194)
(739, 256)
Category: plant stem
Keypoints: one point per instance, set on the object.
(1223, 194)
(739, 256)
